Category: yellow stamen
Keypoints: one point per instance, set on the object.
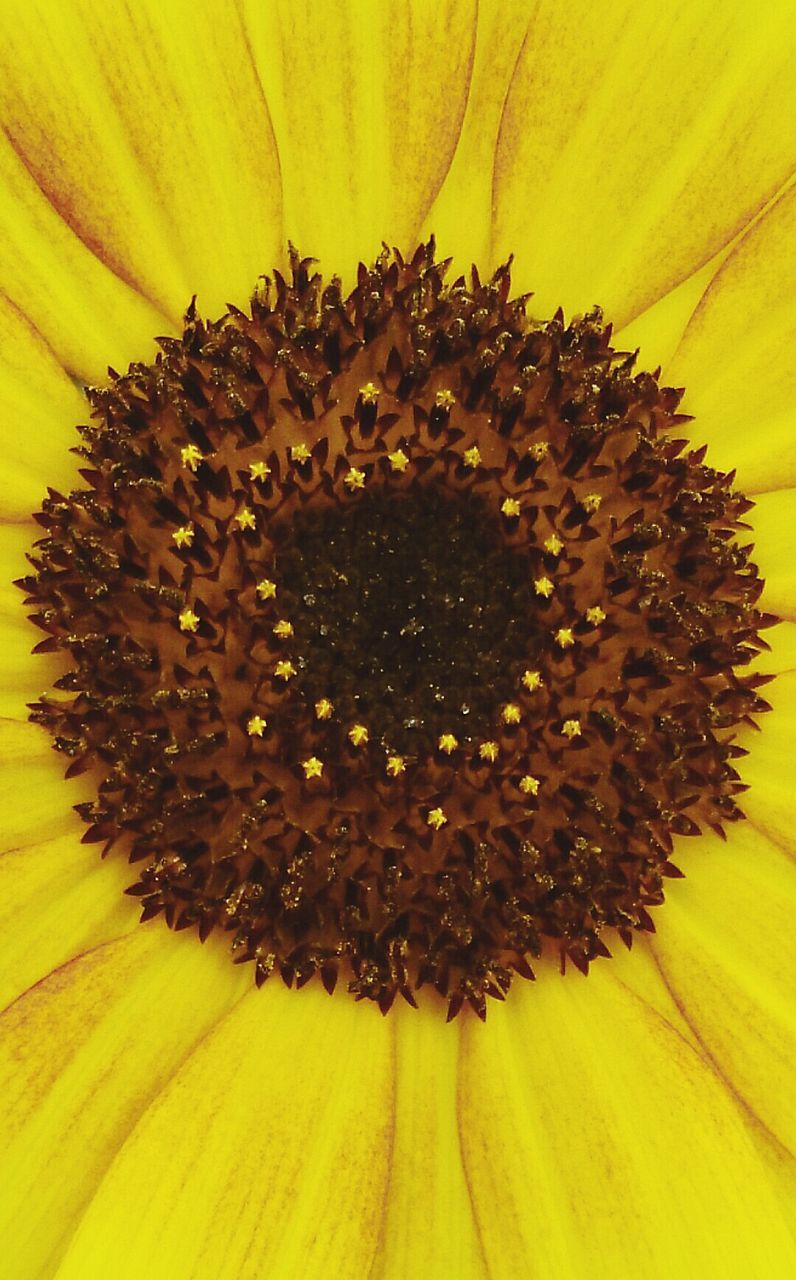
(369, 394)
(184, 535)
(324, 709)
(398, 460)
(256, 726)
(189, 620)
(553, 544)
(472, 456)
(510, 507)
(395, 765)
(529, 786)
(358, 734)
(299, 453)
(511, 713)
(489, 751)
(595, 615)
(266, 590)
(539, 450)
(592, 502)
(313, 767)
(543, 587)
(532, 680)
(571, 729)
(283, 629)
(436, 819)
(259, 470)
(355, 479)
(190, 456)
(448, 743)
(246, 519)
(284, 669)
(564, 638)
(444, 398)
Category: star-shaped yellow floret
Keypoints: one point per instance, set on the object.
(511, 713)
(324, 709)
(564, 638)
(266, 589)
(299, 453)
(395, 765)
(532, 680)
(358, 733)
(284, 669)
(246, 519)
(313, 767)
(553, 544)
(369, 394)
(445, 399)
(510, 507)
(529, 786)
(398, 460)
(259, 470)
(595, 615)
(189, 620)
(190, 456)
(447, 743)
(592, 502)
(256, 726)
(283, 629)
(539, 450)
(184, 535)
(472, 456)
(543, 587)
(355, 479)
(571, 729)
(436, 818)
(489, 751)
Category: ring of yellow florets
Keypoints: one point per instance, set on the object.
(404, 634)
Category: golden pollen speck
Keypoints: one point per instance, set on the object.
(436, 819)
(458, 765)
(189, 621)
(190, 456)
(184, 535)
(398, 460)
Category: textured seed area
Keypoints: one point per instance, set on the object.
(403, 632)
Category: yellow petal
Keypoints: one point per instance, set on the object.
(766, 770)
(773, 521)
(82, 1054)
(35, 800)
(145, 126)
(367, 101)
(271, 1146)
(633, 147)
(428, 1228)
(736, 356)
(596, 1138)
(709, 947)
(461, 215)
(41, 405)
(86, 315)
(58, 899)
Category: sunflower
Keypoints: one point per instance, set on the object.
(161, 1115)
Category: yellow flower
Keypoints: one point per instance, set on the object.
(159, 1116)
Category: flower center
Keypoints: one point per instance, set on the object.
(405, 634)
(409, 613)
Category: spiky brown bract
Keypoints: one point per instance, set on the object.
(327, 829)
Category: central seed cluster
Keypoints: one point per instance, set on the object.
(404, 633)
